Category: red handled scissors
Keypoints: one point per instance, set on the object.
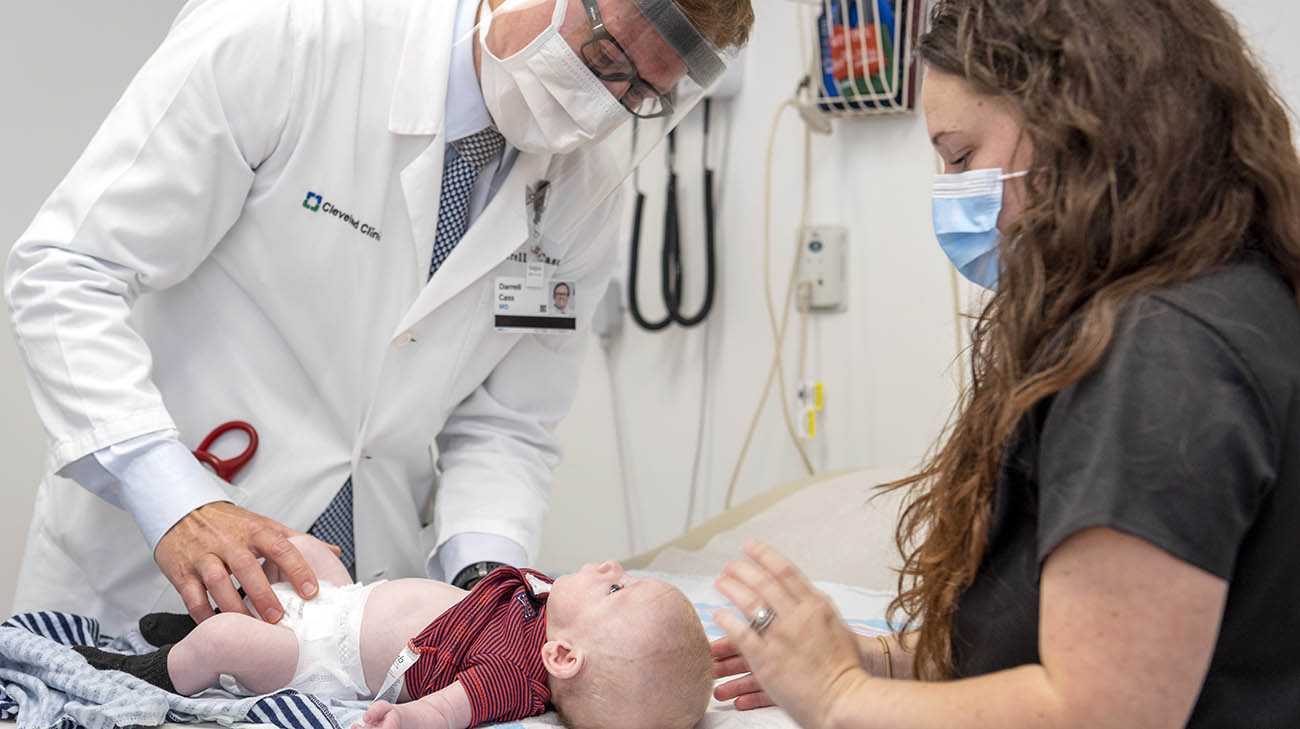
(228, 467)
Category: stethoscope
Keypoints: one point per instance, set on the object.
(670, 258)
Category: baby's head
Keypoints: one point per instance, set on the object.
(625, 652)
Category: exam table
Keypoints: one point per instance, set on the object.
(836, 527)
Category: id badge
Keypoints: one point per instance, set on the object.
(530, 309)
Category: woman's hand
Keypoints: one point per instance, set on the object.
(745, 690)
(806, 660)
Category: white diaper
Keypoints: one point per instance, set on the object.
(328, 628)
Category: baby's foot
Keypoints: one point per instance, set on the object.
(163, 628)
(151, 667)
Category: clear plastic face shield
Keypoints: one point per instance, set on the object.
(566, 78)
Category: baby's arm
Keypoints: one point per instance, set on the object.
(446, 708)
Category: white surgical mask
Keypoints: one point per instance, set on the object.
(544, 98)
(966, 208)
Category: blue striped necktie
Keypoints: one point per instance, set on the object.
(465, 160)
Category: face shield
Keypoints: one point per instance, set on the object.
(566, 78)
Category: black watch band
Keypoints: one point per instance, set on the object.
(467, 578)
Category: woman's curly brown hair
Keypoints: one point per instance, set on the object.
(1160, 151)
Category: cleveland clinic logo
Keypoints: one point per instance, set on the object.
(315, 203)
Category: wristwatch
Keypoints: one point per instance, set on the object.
(467, 578)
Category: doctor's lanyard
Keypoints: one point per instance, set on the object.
(670, 258)
(537, 196)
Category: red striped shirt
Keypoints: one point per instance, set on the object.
(490, 641)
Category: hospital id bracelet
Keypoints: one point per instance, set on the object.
(467, 578)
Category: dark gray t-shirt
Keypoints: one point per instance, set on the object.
(1187, 435)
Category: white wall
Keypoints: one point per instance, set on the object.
(63, 63)
(886, 361)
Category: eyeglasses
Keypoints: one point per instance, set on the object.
(607, 59)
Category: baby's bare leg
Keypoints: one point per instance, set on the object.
(262, 657)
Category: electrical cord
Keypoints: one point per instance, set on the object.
(629, 513)
(777, 370)
(706, 359)
(608, 327)
(804, 306)
(803, 303)
(699, 433)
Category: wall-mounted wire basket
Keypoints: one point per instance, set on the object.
(864, 59)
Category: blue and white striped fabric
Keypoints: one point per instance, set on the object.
(44, 684)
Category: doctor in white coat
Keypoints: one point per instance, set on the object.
(268, 227)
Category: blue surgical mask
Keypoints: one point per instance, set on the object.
(966, 209)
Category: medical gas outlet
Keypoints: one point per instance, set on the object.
(823, 267)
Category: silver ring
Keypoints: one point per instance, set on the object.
(762, 619)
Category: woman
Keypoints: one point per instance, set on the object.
(1105, 538)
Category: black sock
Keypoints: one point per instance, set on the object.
(163, 628)
(151, 667)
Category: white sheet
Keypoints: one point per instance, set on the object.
(837, 528)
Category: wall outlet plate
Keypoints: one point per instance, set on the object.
(824, 266)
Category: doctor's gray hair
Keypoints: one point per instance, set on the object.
(724, 23)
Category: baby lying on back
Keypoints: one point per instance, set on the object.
(603, 648)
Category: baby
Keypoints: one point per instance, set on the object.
(604, 648)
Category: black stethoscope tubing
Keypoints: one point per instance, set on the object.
(671, 282)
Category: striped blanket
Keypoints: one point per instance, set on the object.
(44, 684)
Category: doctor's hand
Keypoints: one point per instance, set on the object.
(201, 552)
(806, 660)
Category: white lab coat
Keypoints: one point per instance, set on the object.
(179, 278)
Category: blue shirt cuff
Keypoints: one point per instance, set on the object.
(154, 477)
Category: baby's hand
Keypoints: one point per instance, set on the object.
(380, 715)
